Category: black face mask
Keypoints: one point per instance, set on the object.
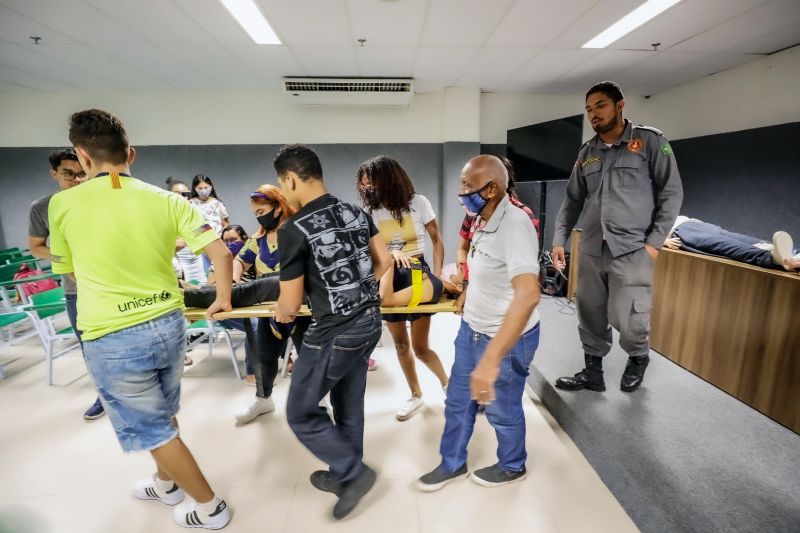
(372, 198)
(269, 221)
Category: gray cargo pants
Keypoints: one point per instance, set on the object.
(616, 291)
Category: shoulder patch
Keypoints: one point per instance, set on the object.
(649, 128)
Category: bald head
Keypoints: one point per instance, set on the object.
(483, 169)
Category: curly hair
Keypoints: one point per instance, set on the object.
(101, 134)
(392, 187)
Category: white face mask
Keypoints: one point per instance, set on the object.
(203, 193)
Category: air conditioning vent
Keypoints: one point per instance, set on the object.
(350, 91)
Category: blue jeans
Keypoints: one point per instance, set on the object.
(705, 238)
(138, 372)
(504, 413)
(338, 366)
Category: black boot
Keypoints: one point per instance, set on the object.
(590, 377)
(634, 373)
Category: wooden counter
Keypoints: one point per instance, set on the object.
(735, 325)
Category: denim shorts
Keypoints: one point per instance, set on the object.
(138, 372)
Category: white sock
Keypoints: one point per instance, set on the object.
(208, 507)
(163, 485)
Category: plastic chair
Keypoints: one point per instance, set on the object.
(44, 308)
(8, 320)
(209, 330)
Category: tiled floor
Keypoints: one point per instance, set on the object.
(61, 474)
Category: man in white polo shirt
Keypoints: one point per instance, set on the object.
(499, 332)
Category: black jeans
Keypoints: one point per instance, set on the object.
(266, 349)
(338, 366)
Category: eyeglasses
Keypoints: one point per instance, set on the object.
(72, 176)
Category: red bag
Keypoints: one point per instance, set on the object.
(34, 287)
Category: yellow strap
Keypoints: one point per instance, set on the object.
(416, 287)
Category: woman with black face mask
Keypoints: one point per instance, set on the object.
(261, 252)
(403, 219)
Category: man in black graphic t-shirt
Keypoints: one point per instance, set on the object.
(330, 250)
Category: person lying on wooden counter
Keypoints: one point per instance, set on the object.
(693, 235)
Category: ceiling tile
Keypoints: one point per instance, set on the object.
(535, 23)
(428, 85)
(605, 65)
(462, 22)
(387, 61)
(682, 21)
(657, 65)
(157, 21)
(498, 63)
(24, 58)
(217, 22)
(309, 22)
(551, 64)
(16, 76)
(770, 43)
(388, 23)
(17, 28)
(485, 85)
(75, 18)
(103, 71)
(593, 21)
(327, 60)
(757, 22)
(157, 63)
(268, 61)
(443, 62)
(212, 61)
(705, 67)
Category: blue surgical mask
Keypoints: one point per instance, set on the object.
(235, 247)
(203, 193)
(473, 202)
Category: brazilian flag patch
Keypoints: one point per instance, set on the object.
(666, 149)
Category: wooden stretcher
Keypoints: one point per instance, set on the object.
(268, 309)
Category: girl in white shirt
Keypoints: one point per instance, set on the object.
(403, 218)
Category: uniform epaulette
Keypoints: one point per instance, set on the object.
(650, 128)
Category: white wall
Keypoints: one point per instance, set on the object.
(219, 117)
(761, 93)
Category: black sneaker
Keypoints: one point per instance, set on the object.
(323, 480)
(438, 478)
(353, 491)
(495, 476)
(95, 411)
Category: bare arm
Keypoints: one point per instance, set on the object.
(381, 260)
(438, 246)
(38, 247)
(239, 268)
(221, 258)
(290, 299)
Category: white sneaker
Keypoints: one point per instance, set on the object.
(783, 248)
(257, 406)
(187, 515)
(411, 406)
(147, 489)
